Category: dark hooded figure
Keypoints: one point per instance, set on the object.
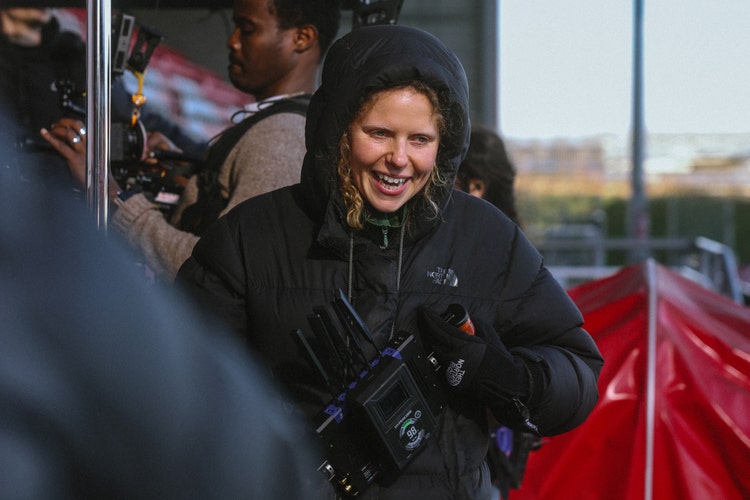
(376, 216)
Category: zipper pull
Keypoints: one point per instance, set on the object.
(385, 238)
(523, 410)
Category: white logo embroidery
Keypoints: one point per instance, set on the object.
(454, 374)
(443, 277)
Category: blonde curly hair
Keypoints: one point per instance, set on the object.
(355, 205)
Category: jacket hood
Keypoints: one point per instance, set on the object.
(369, 59)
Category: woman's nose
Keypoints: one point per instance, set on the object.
(399, 154)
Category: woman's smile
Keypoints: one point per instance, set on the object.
(390, 185)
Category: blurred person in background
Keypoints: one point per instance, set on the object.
(488, 172)
(33, 61)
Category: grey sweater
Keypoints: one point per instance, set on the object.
(267, 157)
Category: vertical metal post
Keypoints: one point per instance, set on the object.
(639, 218)
(650, 417)
(497, 68)
(98, 85)
(488, 14)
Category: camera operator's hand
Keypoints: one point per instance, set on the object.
(156, 141)
(478, 364)
(68, 137)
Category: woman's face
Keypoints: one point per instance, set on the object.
(394, 146)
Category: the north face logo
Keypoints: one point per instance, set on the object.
(454, 374)
(443, 277)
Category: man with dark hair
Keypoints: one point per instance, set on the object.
(274, 53)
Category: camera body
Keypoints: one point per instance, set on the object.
(127, 143)
(376, 428)
(383, 410)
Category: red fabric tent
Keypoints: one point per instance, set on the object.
(673, 419)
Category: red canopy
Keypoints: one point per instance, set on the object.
(673, 420)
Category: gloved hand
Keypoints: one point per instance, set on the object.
(480, 365)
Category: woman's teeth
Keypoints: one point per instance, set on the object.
(390, 182)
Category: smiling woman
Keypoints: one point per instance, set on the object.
(375, 216)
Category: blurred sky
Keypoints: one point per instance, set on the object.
(566, 67)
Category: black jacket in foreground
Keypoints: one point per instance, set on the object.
(110, 388)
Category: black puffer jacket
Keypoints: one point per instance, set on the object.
(266, 264)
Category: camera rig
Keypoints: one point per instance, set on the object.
(369, 12)
(128, 138)
(383, 408)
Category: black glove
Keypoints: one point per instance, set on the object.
(480, 364)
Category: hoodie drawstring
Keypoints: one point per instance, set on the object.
(398, 274)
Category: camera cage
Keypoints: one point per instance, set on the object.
(383, 408)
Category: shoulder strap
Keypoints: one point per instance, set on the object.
(197, 217)
(219, 151)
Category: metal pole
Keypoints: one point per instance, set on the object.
(498, 63)
(489, 22)
(98, 84)
(639, 219)
(653, 313)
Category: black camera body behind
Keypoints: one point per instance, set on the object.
(385, 414)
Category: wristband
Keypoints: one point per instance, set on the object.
(122, 197)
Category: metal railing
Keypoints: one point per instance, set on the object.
(705, 261)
